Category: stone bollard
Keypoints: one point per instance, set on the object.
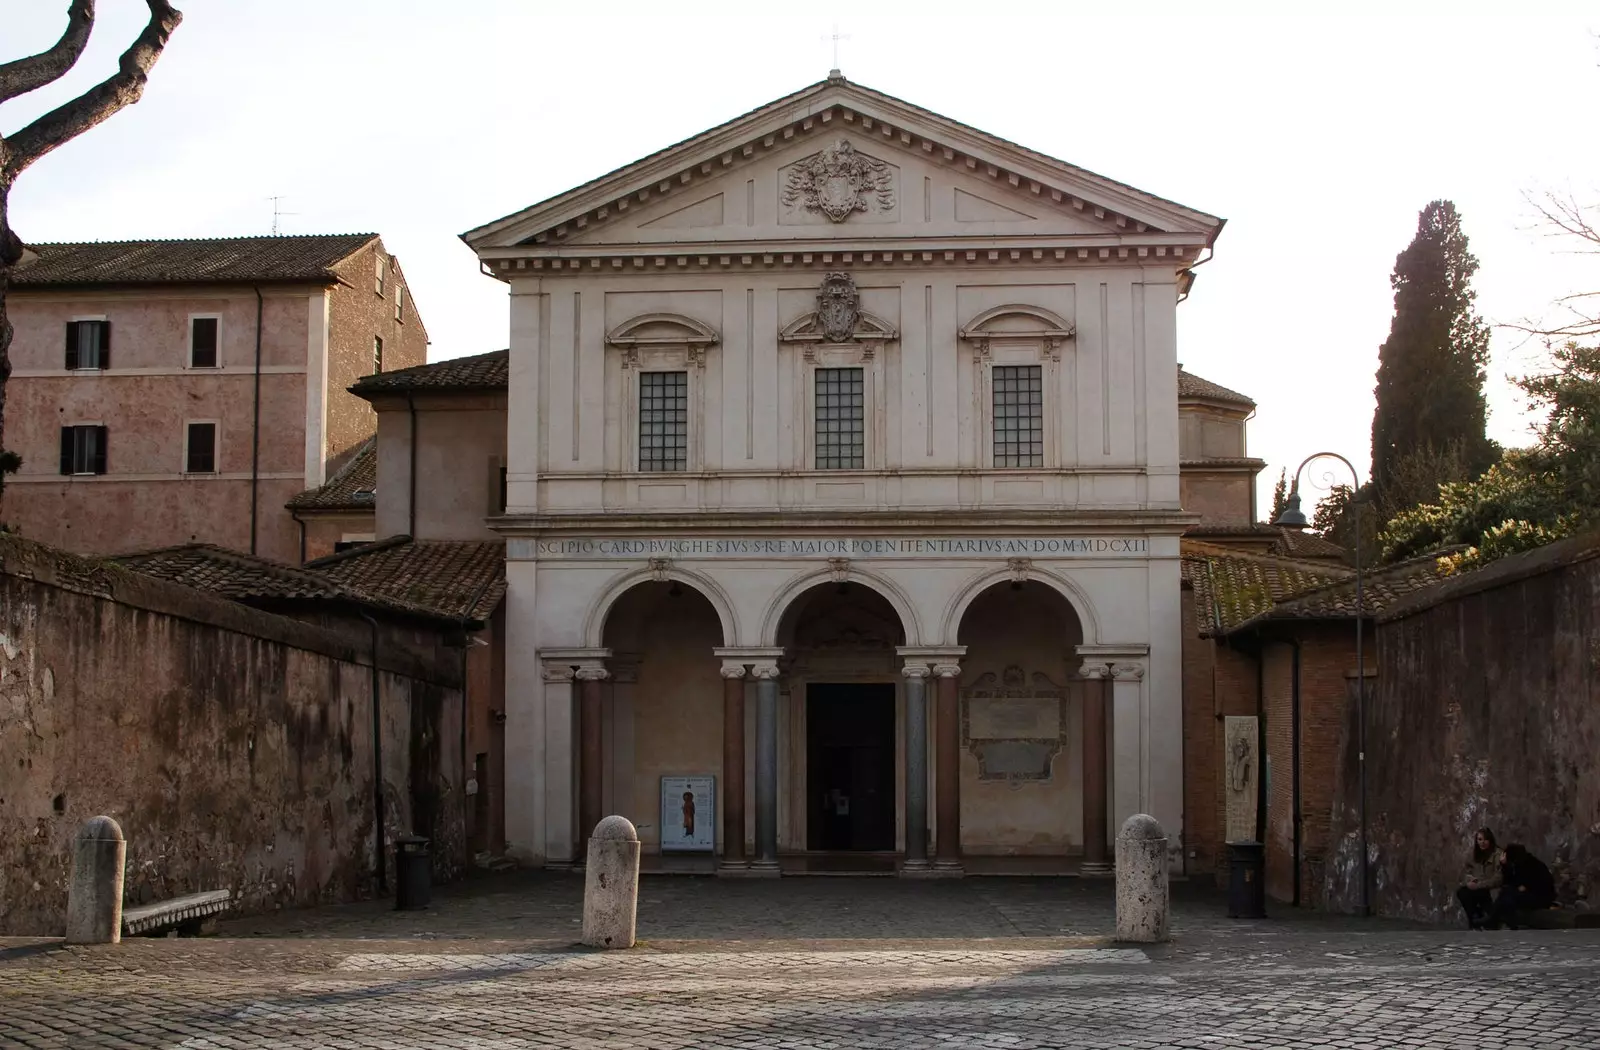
(1142, 892)
(611, 885)
(94, 900)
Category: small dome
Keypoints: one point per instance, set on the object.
(100, 829)
(1142, 826)
(617, 829)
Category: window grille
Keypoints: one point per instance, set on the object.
(840, 419)
(1018, 416)
(663, 421)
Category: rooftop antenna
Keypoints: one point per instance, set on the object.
(834, 73)
(278, 213)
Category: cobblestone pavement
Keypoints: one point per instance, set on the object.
(993, 963)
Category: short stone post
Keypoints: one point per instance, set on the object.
(94, 900)
(1142, 890)
(611, 885)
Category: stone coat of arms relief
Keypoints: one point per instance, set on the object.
(838, 182)
(1015, 724)
(838, 307)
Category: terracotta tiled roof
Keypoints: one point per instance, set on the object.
(248, 579)
(1380, 589)
(224, 259)
(1232, 587)
(1288, 543)
(453, 578)
(479, 372)
(353, 488)
(1191, 385)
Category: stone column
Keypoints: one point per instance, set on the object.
(591, 749)
(1094, 769)
(916, 767)
(1129, 789)
(766, 675)
(733, 766)
(947, 764)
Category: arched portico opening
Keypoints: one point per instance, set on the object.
(660, 717)
(841, 722)
(1022, 763)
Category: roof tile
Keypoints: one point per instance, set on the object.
(1232, 587)
(353, 488)
(452, 578)
(216, 259)
(1191, 385)
(479, 372)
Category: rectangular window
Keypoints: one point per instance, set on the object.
(88, 344)
(379, 266)
(83, 450)
(203, 342)
(1018, 416)
(400, 303)
(200, 449)
(840, 419)
(663, 420)
(377, 354)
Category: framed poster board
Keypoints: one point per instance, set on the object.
(688, 814)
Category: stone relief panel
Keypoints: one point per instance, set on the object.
(838, 184)
(1241, 766)
(1014, 723)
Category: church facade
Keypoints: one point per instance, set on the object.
(842, 502)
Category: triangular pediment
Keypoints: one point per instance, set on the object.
(841, 163)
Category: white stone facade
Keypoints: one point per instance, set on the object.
(965, 287)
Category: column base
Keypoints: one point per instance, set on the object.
(947, 869)
(761, 869)
(733, 869)
(1097, 869)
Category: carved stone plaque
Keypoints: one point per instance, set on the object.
(1014, 723)
(1241, 766)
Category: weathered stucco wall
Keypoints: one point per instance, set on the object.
(234, 747)
(1487, 713)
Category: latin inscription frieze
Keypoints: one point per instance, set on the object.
(582, 548)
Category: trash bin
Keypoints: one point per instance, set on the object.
(1247, 896)
(413, 873)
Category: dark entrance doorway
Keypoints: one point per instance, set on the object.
(850, 767)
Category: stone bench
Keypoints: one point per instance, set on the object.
(1558, 918)
(185, 914)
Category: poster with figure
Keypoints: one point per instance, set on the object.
(688, 814)
(1240, 768)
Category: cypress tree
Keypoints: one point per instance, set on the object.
(1431, 368)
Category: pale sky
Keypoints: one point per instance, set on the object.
(1317, 138)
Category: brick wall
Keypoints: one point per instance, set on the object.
(233, 746)
(356, 314)
(1487, 712)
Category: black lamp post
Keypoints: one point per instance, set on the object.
(1293, 518)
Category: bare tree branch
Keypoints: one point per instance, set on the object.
(71, 119)
(27, 74)
(1562, 216)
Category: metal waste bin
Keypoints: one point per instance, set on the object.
(1247, 897)
(413, 873)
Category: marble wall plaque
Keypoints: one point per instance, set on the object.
(1015, 718)
(1241, 770)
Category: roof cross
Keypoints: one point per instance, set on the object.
(835, 38)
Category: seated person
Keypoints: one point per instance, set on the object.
(1481, 880)
(1529, 886)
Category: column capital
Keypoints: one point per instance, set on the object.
(1127, 672)
(557, 673)
(732, 670)
(591, 673)
(947, 670)
(762, 671)
(916, 670)
(1094, 670)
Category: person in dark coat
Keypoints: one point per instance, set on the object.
(1529, 886)
(1482, 878)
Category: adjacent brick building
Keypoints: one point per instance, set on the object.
(177, 391)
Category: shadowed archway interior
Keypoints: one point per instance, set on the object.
(1021, 723)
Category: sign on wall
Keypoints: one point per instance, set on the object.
(586, 549)
(688, 814)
